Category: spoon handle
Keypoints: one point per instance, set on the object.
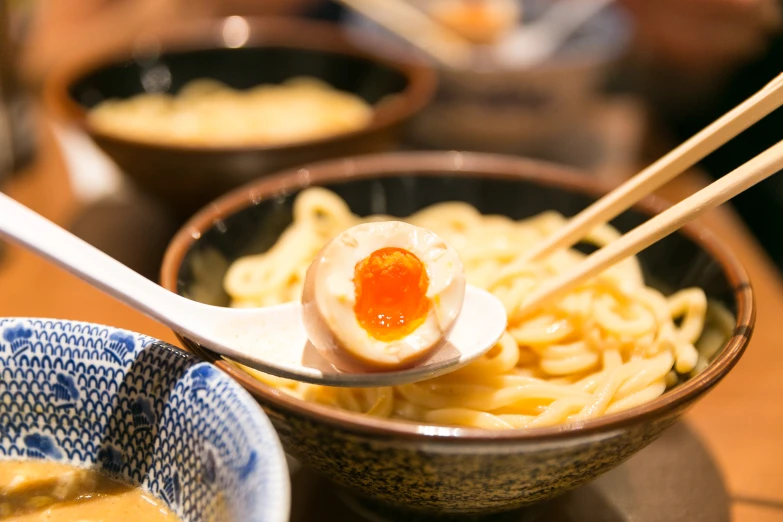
(30, 229)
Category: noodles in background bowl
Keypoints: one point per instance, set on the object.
(611, 344)
(207, 112)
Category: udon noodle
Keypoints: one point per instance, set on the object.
(611, 344)
(207, 112)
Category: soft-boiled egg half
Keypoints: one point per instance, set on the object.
(382, 296)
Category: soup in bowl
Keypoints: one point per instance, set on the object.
(569, 392)
(98, 423)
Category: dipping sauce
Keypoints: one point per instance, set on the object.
(43, 491)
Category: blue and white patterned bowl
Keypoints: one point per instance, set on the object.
(144, 412)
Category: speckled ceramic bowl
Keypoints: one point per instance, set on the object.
(142, 411)
(439, 469)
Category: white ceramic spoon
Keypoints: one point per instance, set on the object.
(271, 339)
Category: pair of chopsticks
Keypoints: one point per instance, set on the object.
(665, 169)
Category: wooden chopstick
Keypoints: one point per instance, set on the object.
(769, 98)
(759, 168)
(441, 43)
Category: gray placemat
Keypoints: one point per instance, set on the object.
(673, 479)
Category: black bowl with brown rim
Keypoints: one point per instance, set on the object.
(442, 469)
(242, 53)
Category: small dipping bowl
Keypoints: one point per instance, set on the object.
(142, 412)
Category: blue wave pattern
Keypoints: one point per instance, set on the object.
(138, 409)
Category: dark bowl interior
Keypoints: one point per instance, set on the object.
(240, 68)
(676, 262)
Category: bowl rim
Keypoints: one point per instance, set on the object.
(469, 165)
(280, 493)
(204, 34)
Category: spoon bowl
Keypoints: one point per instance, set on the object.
(253, 337)
(270, 339)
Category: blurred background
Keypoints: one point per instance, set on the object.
(604, 86)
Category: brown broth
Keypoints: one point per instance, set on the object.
(42, 491)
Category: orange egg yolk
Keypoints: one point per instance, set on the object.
(391, 293)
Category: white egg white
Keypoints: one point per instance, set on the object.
(329, 297)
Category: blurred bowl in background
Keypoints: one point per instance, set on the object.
(536, 111)
(242, 53)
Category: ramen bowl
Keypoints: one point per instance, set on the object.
(143, 412)
(241, 53)
(436, 469)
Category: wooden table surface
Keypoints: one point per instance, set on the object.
(741, 421)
